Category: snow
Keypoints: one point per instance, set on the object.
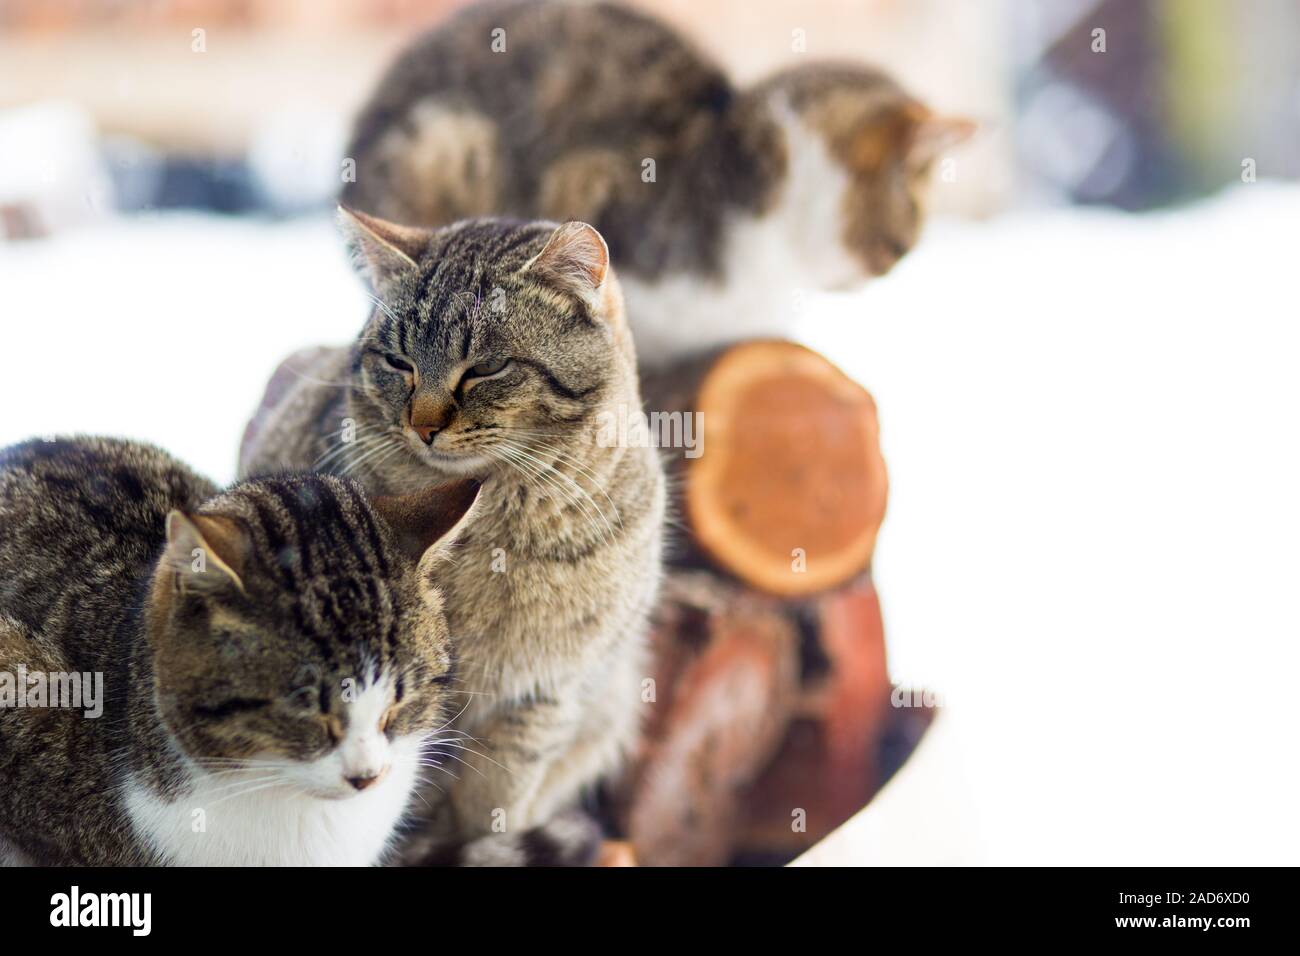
(1092, 545)
(165, 328)
(1091, 549)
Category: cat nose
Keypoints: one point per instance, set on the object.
(361, 783)
(429, 416)
(426, 432)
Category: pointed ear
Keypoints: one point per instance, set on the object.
(935, 135)
(429, 520)
(381, 250)
(575, 256)
(207, 552)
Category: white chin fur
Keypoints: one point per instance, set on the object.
(449, 463)
(468, 466)
(283, 813)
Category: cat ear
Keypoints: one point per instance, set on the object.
(207, 552)
(935, 135)
(381, 250)
(429, 520)
(575, 256)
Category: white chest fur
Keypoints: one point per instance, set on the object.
(769, 263)
(224, 821)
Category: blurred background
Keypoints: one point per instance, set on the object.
(242, 106)
(1086, 372)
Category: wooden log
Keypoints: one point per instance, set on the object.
(829, 764)
(767, 727)
(788, 488)
(855, 700)
(771, 683)
(726, 684)
(771, 723)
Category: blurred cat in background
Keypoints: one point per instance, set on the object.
(717, 203)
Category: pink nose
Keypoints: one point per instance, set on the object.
(429, 415)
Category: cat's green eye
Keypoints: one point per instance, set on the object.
(484, 369)
(399, 364)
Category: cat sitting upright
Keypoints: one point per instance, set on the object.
(499, 349)
(272, 660)
(718, 203)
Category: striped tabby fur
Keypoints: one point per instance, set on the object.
(719, 203)
(273, 658)
(505, 342)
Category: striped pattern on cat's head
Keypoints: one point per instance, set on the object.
(488, 336)
(297, 625)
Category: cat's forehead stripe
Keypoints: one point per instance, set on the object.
(278, 542)
(371, 530)
(312, 526)
(454, 280)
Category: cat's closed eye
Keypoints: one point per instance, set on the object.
(399, 364)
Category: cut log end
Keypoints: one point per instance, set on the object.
(790, 490)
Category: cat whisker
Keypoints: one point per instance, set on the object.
(356, 427)
(456, 757)
(243, 782)
(415, 792)
(476, 753)
(277, 782)
(223, 763)
(366, 441)
(547, 473)
(384, 445)
(428, 781)
(583, 470)
(541, 479)
(312, 380)
(383, 306)
(518, 468)
(438, 766)
(394, 448)
(452, 719)
(453, 738)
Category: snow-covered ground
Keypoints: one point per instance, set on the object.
(1092, 549)
(1092, 545)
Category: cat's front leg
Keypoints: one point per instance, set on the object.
(501, 790)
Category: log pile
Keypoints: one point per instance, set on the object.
(771, 717)
(789, 490)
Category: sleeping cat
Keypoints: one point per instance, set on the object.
(495, 350)
(718, 203)
(272, 660)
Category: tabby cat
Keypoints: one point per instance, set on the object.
(272, 660)
(719, 204)
(498, 350)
